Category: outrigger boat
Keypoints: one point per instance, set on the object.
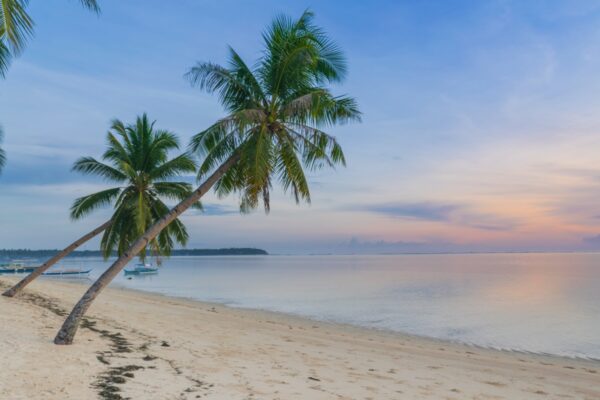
(69, 272)
(16, 267)
(142, 269)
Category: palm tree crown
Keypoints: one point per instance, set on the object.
(137, 159)
(16, 27)
(276, 112)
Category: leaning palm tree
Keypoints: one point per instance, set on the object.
(16, 27)
(272, 132)
(137, 160)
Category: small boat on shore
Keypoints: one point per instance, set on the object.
(67, 272)
(142, 269)
(16, 267)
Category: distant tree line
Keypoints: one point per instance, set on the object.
(27, 253)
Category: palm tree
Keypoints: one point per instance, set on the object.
(137, 160)
(272, 131)
(16, 27)
(140, 161)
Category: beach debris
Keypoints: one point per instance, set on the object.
(102, 359)
(108, 381)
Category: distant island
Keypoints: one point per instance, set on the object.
(233, 251)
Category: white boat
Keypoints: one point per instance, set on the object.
(16, 267)
(142, 269)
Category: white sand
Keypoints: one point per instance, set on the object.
(215, 352)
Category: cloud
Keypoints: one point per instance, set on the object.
(452, 213)
(356, 245)
(421, 211)
(589, 175)
(359, 246)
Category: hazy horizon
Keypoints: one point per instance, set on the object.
(341, 250)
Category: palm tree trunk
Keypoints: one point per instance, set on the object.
(16, 289)
(69, 328)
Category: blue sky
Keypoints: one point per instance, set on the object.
(480, 130)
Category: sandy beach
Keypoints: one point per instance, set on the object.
(145, 346)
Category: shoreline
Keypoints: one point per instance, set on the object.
(119, 286)
(347, 325)
(140, 344)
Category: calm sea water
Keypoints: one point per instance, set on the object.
(542, 303)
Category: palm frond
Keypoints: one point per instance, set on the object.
(174, 167)
(330, 62)
(216, 145)
(246, 77)
(5, 54)
(156, 148)
(15, 24)
(235, 94)
(86, 204)
(120, 232)
(258, 156)
(115, 151)
(174, 191)
(291, 173)
(299, 54)
(318, 146)
(176, 229)
(319, 107)
(91, 166)
(234, 180)
(91, 5)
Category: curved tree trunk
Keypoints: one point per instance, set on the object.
(69, 328)
(44, 267)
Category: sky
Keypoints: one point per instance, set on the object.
(480, 131)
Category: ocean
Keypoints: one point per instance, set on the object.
(540, 303)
